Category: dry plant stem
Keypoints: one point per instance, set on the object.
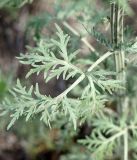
(83, 39)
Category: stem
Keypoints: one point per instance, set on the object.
(117, 14)
(102, 58)
(84, 40)
(71, 29)
(119, 134)
(126, 145)
(71, 87)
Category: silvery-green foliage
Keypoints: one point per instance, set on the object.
(54, 59)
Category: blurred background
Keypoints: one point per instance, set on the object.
(22, 24)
